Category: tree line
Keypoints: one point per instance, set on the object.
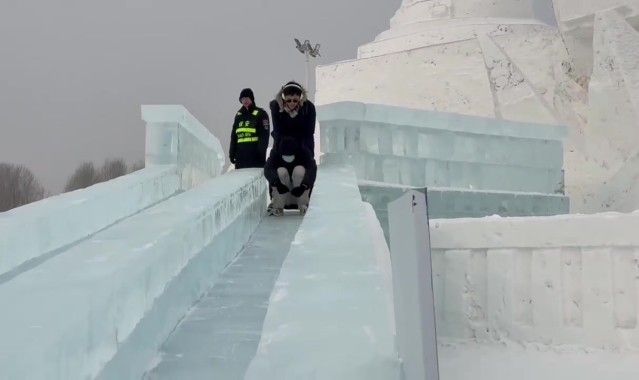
(19, 186)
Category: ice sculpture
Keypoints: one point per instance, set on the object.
(498, 59)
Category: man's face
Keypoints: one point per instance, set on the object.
(246, 101)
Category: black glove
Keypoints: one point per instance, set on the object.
(232, 159)
(298, 191)
(281, 188)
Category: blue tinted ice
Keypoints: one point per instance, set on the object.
(328, 316)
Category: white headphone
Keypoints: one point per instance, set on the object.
(293, 85)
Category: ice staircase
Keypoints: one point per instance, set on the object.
(174, 272)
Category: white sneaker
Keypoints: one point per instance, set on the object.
(277, 212)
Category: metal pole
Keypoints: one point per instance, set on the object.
(307, 68)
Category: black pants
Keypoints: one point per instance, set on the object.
(270, 193)
(247, 165)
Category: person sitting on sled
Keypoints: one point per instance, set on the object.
(290, 171)
(293, 114)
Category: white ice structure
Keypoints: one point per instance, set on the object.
(496, 59)
(330, 312)
(472, 166)
(561, 286)
(98, 300)
(97, 279)
(94, 280)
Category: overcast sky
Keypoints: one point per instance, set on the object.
(73, 73)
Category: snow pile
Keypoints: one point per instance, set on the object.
(463, 361)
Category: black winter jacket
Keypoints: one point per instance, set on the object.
(301, 127)
(249, 138)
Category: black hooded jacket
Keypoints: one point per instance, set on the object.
(301, 127)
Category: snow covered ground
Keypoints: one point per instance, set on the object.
(464, 361)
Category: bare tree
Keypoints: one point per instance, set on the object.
(18, 187)
(137, 166)
(84, 176)
(87, 175)
(112, 168)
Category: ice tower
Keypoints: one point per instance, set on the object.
(504, 60)
(463, 56)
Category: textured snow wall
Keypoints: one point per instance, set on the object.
(498, 59)
(570, 279)
(329, 314)
(576, 20)
(613, 120)
(478, 68)
(415, 15)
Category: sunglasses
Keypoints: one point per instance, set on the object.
(292, 100)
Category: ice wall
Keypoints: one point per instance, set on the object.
(472, 166)
(180, 154)
(33, 231)
(421, 148)
(116, 296)
(101, 275)
(328, 316)
(562, 280)
(175, 137)
(447, 203)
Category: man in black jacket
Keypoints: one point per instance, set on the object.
(290, 171)
(250, 135)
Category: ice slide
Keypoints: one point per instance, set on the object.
(183, 285)
(220, 334)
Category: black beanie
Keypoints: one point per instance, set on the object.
(247, 93)
(288, 146)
